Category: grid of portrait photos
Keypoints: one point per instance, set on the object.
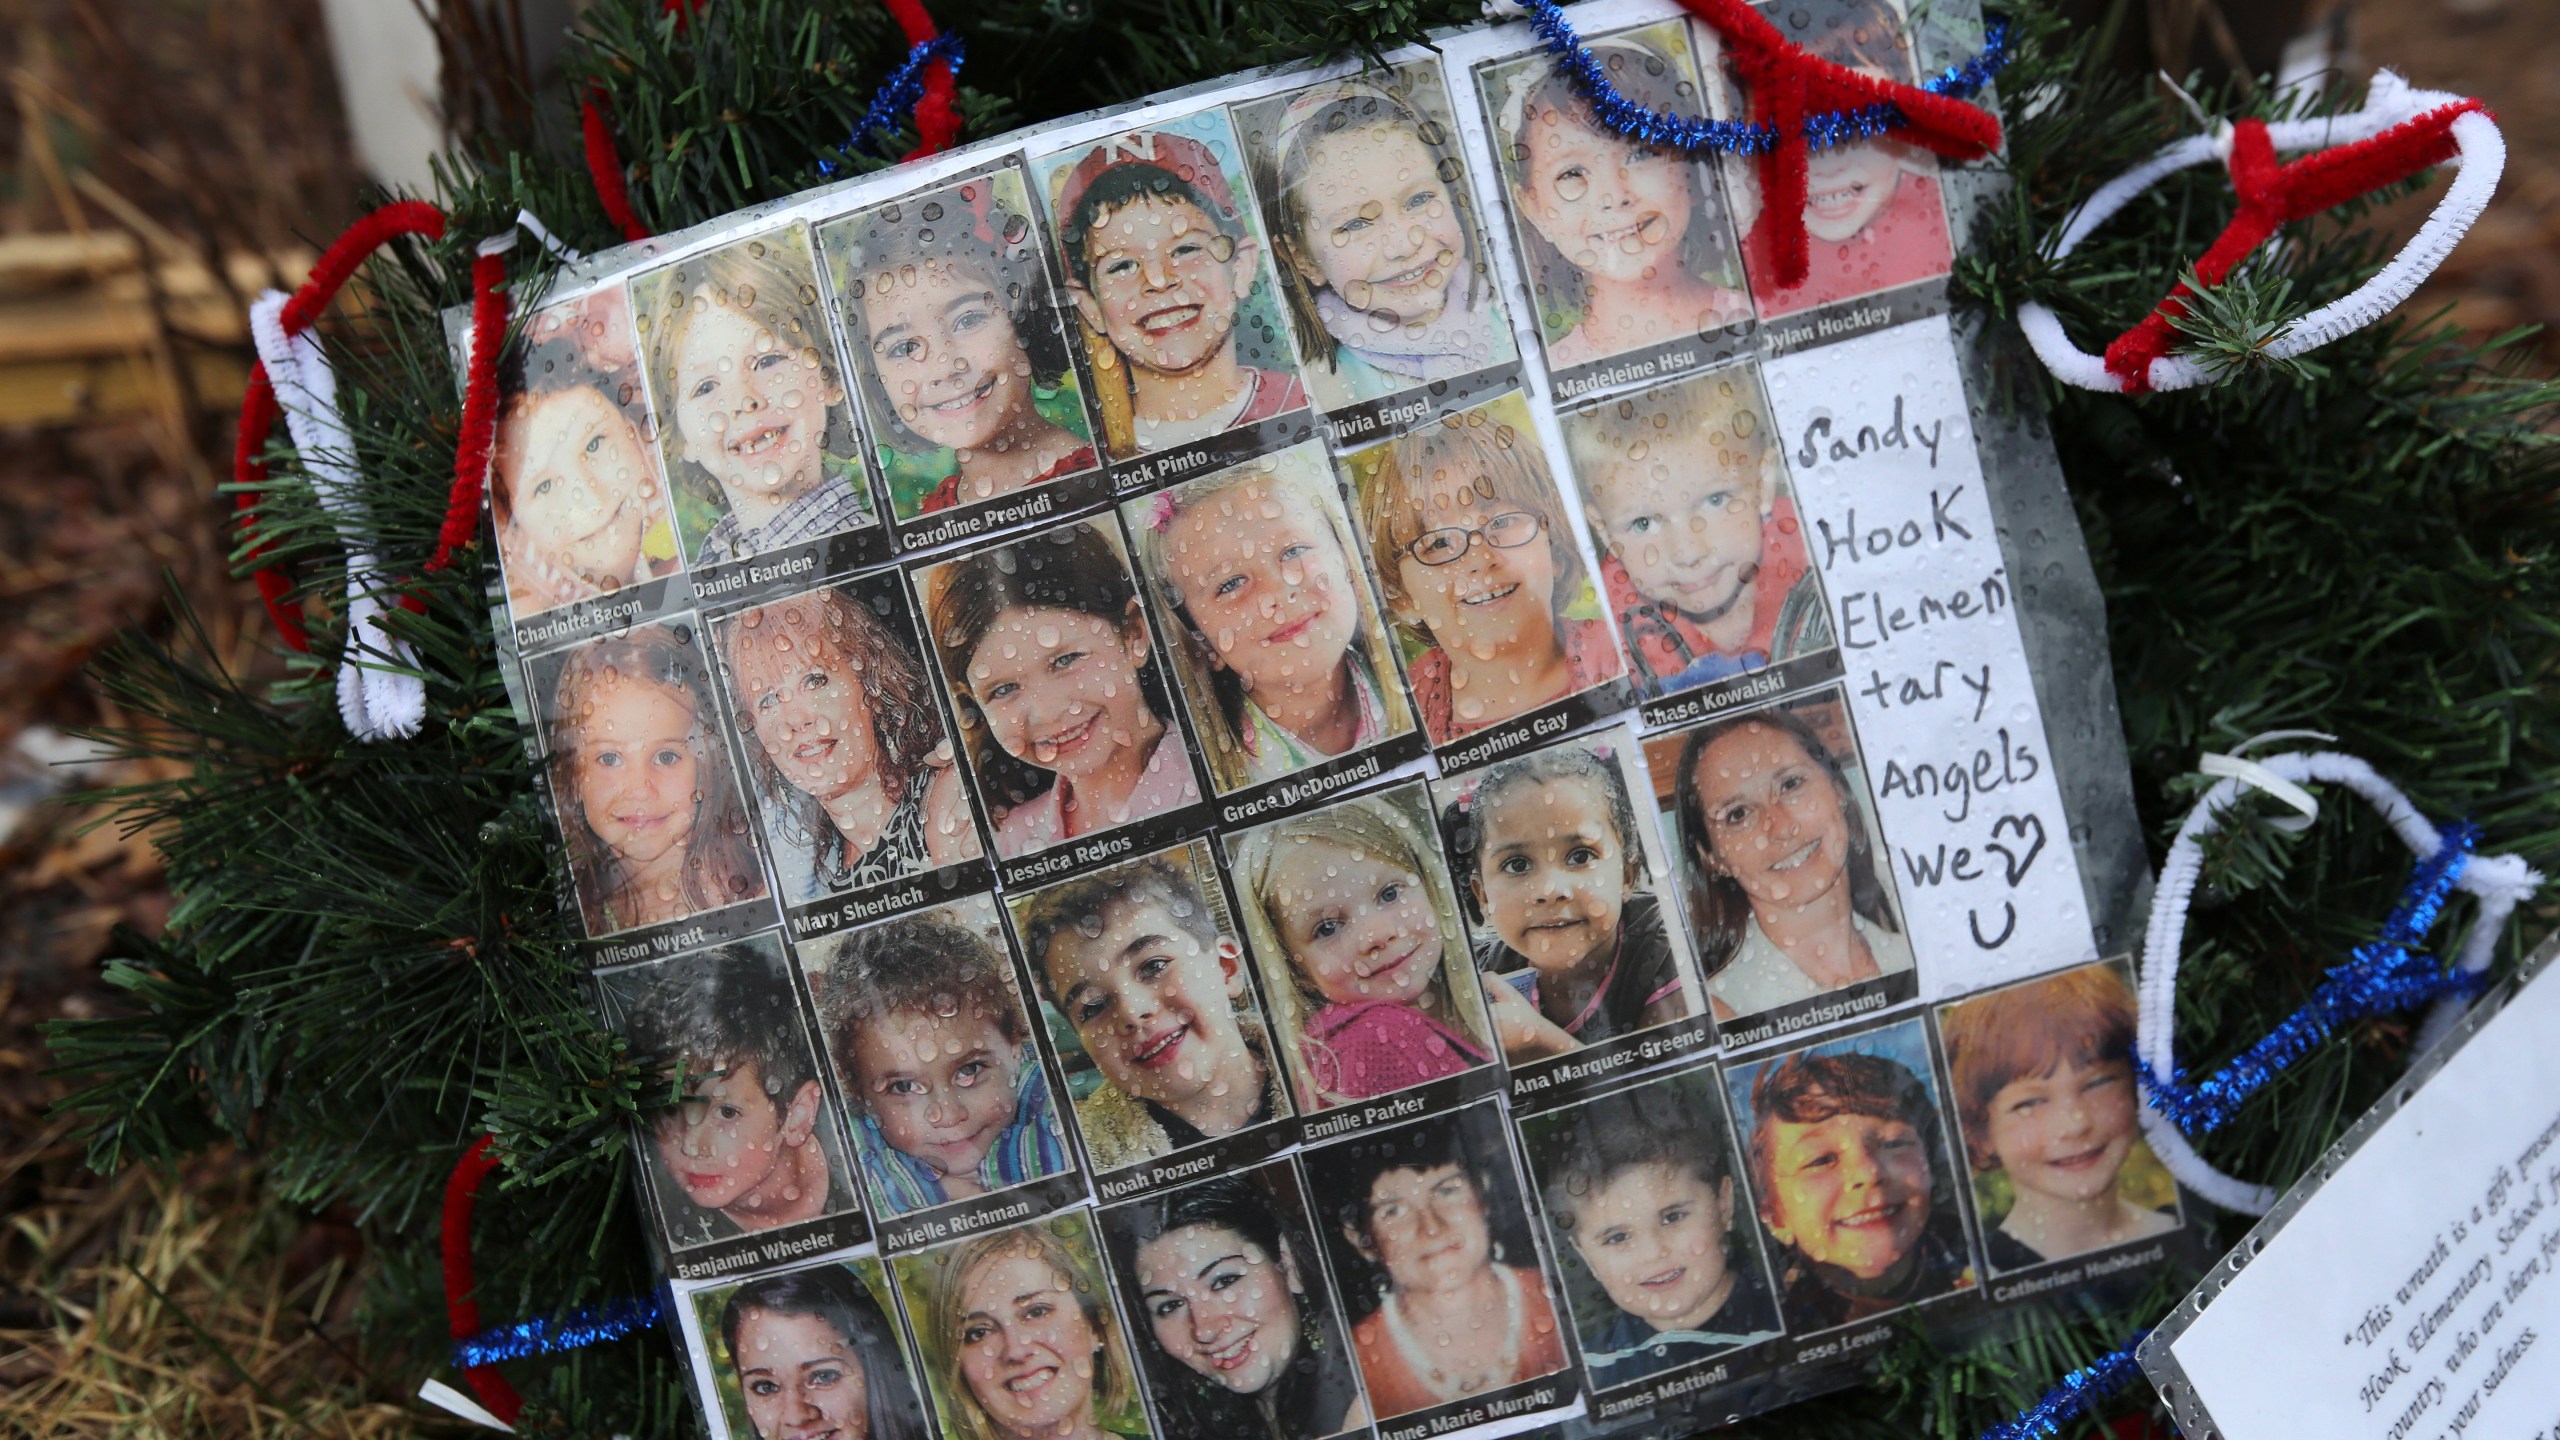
(1296, 762)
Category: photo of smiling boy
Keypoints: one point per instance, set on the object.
(1275, 633)
(933, 1052)
(578, 503)
(2045, 1099)
(1849, 1174)
(1703, 553)
(1874, 217)
(748, 1142)
(809, 1355)
(1172, 288)
(1558, 886)
(960, 345)
(1627, 245)
(1144, 969)
(1381, 255)
(1641, 1188)
(750, 398)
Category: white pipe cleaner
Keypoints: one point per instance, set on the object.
(380, 692)
(2498, 882)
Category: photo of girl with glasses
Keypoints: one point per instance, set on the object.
(1236, 1331)
(750, 402)
(1786, 897)
(1020, 1337)
(1874, 217)
(1381, 254)
(1436, 1257)
(1062, 703)
(1274, 632)
(844, 740)
(1350, 914)
(641, 779)
(574, 489)
(1467, 536)
(962, 360)
(1626, 244)
(811, 1353)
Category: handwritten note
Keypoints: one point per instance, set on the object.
(1900, 525)
(2411, 1298)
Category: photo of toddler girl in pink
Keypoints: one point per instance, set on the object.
(1351, 915)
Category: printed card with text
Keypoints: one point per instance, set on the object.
(2404, 1289)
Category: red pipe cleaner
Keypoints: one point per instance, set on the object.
(1787, 83)
(259, 411)
(479, 412)
(2274, 195)
(937, 117)
(604, 165)
(461, 1304)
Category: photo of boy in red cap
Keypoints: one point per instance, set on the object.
(1163, 268)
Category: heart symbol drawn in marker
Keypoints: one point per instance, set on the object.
(2016, 862)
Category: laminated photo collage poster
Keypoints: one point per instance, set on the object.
(1297, 762)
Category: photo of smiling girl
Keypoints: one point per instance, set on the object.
(807, 1354)
(1848, 1165)
(1351, 917)
(960, 345)
(746, 1142)
(1053, 668)
(642, 780)
(1021, 1337)
(844, 738)
(1471, 545)
(574, 488)
(933, 1053)
(1788, 896)
(1627, 246)
(2045, 1099)
(1237, 1331)
(1381, 255)
(750, 398)
(1641, 1190)
(1140, 963)
(1172, 287)
(1554, 870)
(1274, 632)
(1874, 217)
